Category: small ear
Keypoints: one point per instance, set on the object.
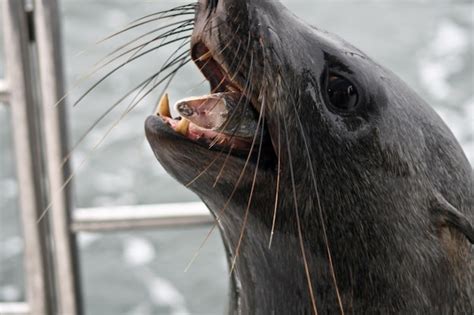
(445, 214)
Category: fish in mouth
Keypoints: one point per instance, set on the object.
(325, 172)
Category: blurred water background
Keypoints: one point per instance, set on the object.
(427, 43)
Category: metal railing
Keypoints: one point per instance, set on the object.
(140, 217)
(34, 81)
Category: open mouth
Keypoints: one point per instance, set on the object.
(225, 118)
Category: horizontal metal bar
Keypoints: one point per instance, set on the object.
(14, 309)
(4, 92)
(140, 217)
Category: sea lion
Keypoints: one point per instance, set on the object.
(363, 192)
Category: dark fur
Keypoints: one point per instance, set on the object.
(396, 190)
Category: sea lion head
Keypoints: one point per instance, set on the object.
(372, 193)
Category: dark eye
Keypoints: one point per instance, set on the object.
(342, 93)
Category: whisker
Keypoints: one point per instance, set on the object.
(104, 62)
(231, 118)
(185, 60)
(142, 85)
(222, 82)
(298, 223)
(182, 8)
(224, 208)
(247, 210)
(205, 80)
(168, 63)
(234, 131)
(143, 23)
(122, 65)
(241, 98)
(277, 193)
(173, 32)
(163, 35)
(241, 62)
(178, 8)
(221, 171)
(203, 171)
(278, 153)
(318, 199)
(215, 159)
(96, 146)
(233, 111)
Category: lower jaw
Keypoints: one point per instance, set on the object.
(209, 137)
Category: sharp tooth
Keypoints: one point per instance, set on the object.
(205, 56)
(163, 108)
(182, 127)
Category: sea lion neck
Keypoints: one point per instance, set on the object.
(264, 277)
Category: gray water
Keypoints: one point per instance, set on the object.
(429, 44)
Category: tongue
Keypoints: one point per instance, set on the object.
(229, 113)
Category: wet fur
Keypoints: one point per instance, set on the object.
(376, 191)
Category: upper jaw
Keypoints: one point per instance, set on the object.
(223, 79)
(208, 62)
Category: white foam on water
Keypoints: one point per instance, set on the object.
(434, 76)
(9, 188)
(138, 251)
(10, 293)
(454, 121)
(450, 39)
(11, 247)
(162, 292)
(141, 309)
(443, 58)
(121, 180)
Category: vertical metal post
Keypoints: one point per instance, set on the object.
(27, 141)
(50, 63)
